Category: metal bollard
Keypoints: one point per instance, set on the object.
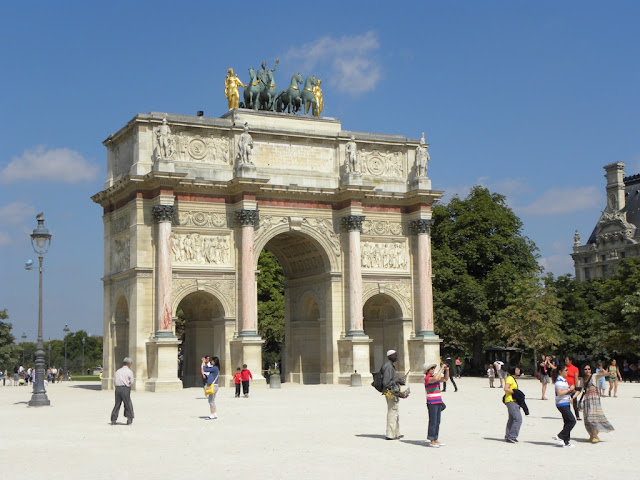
(356, 379)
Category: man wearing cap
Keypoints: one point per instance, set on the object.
(392, 383)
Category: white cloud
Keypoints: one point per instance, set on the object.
(60, 164)
(350, 60)
(14, 213)
(509, 187)
(4, 239)
(558, 264)
(559, 201)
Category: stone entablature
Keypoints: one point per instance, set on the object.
(299, 152)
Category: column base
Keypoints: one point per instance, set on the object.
(247, 349)
(354, 357)
(39, 400)
(425, 348)
(162, 364)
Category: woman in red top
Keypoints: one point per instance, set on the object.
(434, 400)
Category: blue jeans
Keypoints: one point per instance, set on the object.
(569, 422)
(435, 412)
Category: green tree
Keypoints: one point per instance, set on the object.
(532, 319)
(479, 252)
(620, 307)
(270, 307)
(8, 351)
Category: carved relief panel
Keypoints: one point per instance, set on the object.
(120, 253)
(188, 147)
(197, 248)
(382, 164)
(384, 255)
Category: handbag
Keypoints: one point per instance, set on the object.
(210, 388)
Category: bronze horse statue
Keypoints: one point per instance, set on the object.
(307, 94)
(290, 98)
(253, 91)
(268, 94)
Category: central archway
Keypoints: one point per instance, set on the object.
(383, 323)
(306, 268)
(203, 334)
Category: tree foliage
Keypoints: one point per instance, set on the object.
(479, 253)
(532, 318)
(270, 307)
(8, 354)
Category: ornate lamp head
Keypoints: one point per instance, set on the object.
(40, 238)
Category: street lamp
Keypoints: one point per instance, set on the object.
(24, 338)
(49, 355)
(66, 332)
(40, 241)
(83, 341)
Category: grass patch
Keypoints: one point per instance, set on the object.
(85, 378)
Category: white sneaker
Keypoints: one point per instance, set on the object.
(434, 445)
(567, 445)
(558, 440)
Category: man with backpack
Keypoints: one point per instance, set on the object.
(391, 383)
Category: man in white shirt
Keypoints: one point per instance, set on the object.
(500, 373)
(123, 380)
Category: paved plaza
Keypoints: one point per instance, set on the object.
(310, 432)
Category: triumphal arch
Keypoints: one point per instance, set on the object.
(191, 201)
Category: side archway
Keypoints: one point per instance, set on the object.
(383, 323)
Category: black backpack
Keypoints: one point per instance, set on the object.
(377, 381)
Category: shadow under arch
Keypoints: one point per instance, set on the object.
(203, 334)
(307, 281)
(119, 334)
(383, 323)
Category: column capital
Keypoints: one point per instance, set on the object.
(353, 222)
(248, 217)
(164, 213)
(422, 225)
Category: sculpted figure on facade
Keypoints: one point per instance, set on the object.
(121, 254)
(231, 84)
(163, 137)
(576, 239)
(422, 158)
(263, 72)
(317, 96)
(245, 147)
(352, 156)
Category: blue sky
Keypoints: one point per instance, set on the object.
(530, 99)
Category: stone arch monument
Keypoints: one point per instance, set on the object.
(189, 204)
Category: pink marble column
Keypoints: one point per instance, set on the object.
(425, 290)
(163, 320)
(353, 224)
(248, 219)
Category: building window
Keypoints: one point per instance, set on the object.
(603, 258)
(623, 254)
(587, 274)
(586, 259)
(605, 269)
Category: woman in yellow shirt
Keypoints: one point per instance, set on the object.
(515, 417)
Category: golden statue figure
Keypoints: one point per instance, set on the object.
(317, 96)
(231, 84)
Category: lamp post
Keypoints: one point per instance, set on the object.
(40, 241)
(49, 355)
(66, 332)
(83, 342)
(24, 337)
